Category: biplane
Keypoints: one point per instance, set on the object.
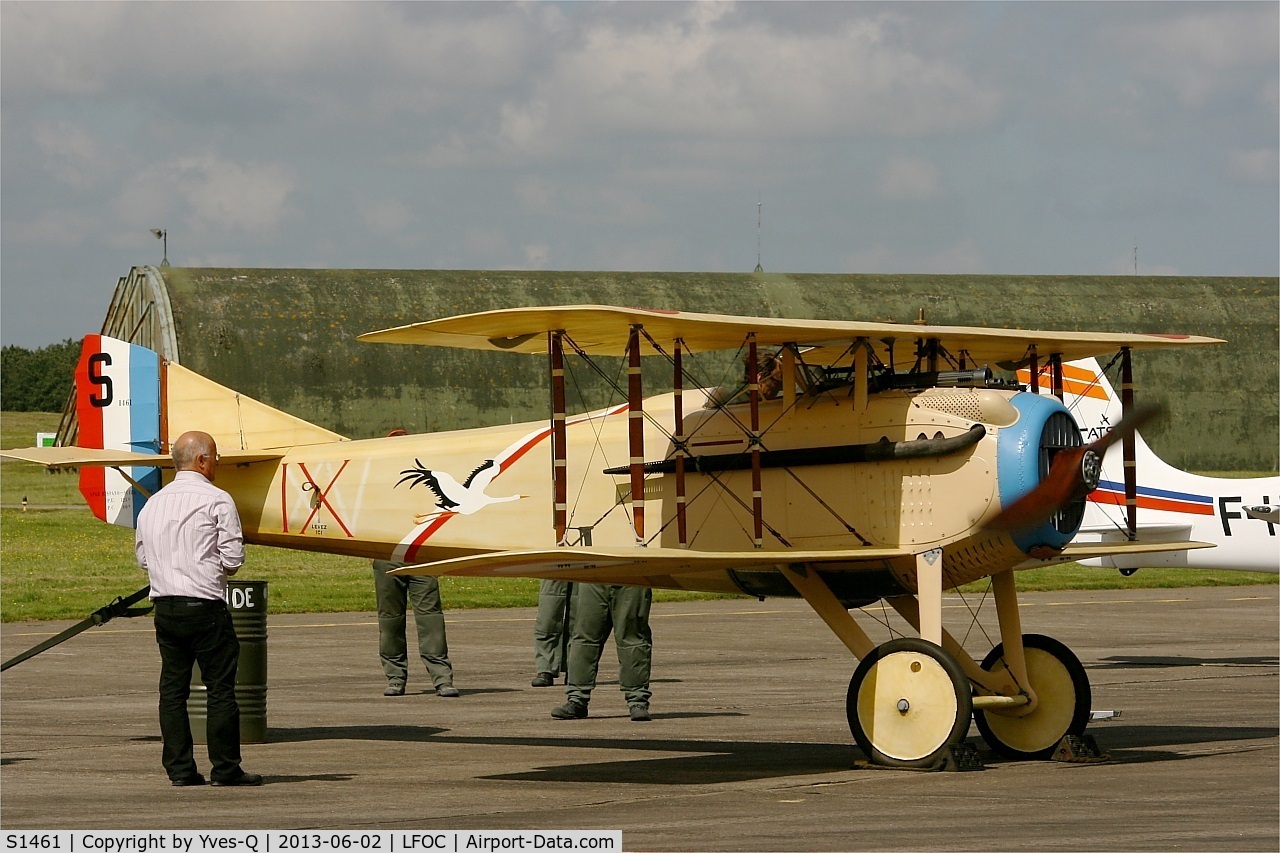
(843, 463)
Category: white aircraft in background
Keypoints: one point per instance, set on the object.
(1238, 515)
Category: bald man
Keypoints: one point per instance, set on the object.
(189, 542)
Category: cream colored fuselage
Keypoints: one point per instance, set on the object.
(370, 498)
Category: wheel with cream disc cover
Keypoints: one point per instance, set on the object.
(1063, 701)
(908, 702)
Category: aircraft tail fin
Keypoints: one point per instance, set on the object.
(129, 399)
(118, 408)
(1172, 505)
(236, 421)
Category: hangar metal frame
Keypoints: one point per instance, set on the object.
(140, 313)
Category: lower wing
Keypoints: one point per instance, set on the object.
(635, 565)
(646, 566)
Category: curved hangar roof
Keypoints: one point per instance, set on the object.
(290, 337)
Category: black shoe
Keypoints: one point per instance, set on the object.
(544, 679)
(640, 713)
(395, 688)
(244, 779)
(448, 691)
(570, 711)
(188, 781)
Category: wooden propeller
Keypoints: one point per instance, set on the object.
(1074, 473)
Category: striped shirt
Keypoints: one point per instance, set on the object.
(189, 538)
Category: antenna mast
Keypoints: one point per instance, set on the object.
(759, 214)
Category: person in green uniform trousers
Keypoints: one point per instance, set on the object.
(422, 592)
(548, 631)
(596, 611)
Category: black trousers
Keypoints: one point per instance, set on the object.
(190, 631)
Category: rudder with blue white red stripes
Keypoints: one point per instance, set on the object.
(118, 408)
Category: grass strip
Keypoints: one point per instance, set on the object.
(64, 563)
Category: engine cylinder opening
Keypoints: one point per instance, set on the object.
(1060, 433)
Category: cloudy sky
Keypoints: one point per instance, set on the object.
(1028, 138)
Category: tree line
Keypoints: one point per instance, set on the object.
(37, 380)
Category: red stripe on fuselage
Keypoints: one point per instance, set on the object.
(1144, 502)
(411, 552)
(508, 459)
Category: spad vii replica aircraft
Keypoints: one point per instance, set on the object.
(1238, 515)
(850, 462)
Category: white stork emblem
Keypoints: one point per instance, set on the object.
(454, 498)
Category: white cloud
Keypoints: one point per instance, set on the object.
(1228, 35)
(1200, 50)
(450, 151)
(383, 216)
(72, 155)
(910, 179)
(618, 203)
(536, 195)
(57, 47)
(522, 128)
(708, 72)
(146, 200)
(210, 194)
(537, 257)
(1269, 97)
(56, 228)
(1256, 166)
(508, 83)
(398, 56)
(227, 196)
(634, 136)
(485, 243)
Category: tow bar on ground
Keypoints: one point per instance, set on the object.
(101, 616)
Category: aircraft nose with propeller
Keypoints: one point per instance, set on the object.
(830, 468)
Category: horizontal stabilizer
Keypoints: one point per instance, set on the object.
(1088, 550)
(83, 457)
(235, 421)
(634, 565)
(1146, 533)
(1269, 514)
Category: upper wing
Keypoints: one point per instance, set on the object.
(641, 566)
(604, 330)
(76, 457)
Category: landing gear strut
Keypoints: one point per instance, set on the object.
(1062, 707)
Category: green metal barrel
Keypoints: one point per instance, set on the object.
(247, 601)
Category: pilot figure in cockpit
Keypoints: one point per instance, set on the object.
(769, 371)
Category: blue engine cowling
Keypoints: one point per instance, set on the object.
(1024, 453)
